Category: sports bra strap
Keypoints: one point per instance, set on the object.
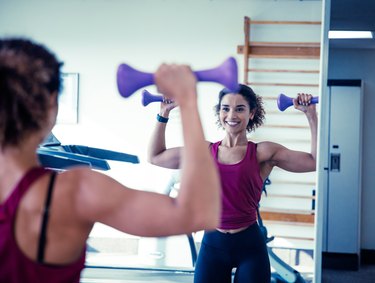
(42, 238)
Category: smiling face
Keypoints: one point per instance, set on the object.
(234, 113)
(244, 102)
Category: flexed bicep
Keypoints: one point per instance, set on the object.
(294, 161)
(168, 158)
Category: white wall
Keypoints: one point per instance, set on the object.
(94, 37)
(347, 63)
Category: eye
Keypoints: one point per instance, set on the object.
(240, 109)
(225, 109)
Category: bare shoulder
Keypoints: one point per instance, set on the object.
(70, 183)
(74, 177)
(87, 191)
(82, 184)
(82, 178)
(266, 150)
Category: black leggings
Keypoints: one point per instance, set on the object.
(221, 252)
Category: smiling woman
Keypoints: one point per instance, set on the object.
(244, 166)
(166, 31)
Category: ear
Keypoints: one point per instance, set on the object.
(251, 115)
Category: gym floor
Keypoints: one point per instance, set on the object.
(129, 275)
(123, 275)
(100, 275)
(140, 260)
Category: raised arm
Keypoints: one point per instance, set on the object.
(197, 206)
(273, 154)
(158, 154)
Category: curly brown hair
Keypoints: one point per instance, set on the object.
(255, 103)
(29, 75)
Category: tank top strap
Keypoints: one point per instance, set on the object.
(215, 148)
(11, 204)
(251, 149)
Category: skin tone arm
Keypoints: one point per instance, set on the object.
(272, 154)
(82, 197)
(157, 152)
(198, 203)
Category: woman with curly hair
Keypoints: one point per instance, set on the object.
(45, 216)
(243, 167)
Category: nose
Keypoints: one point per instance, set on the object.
(232, 113)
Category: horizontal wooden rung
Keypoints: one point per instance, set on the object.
(285, 51)
(287, 215)
(285, 22)
(285, 126)
(287, 211)
(287, 223)
(282, 56)
(284, 44)
(283, 71)
(284, 140)
(285, 182)
(276, 112)
(290, 196)
(282, 84)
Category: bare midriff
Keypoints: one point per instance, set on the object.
(231, 231)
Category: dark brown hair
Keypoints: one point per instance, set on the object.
(255, 104)
(29, 75)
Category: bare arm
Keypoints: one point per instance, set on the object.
(273, 154)
(197, 206)
(157, 152)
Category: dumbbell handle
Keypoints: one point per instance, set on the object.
(283, 101)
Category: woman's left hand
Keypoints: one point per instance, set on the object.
(303, 102)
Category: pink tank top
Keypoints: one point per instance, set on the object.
(241, 189)
(15, 267)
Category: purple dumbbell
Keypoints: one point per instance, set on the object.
(283, 101)
(147, 98)
(130, 80)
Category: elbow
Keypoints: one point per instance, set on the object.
(207, 219)
(209, 222)
(195, 219)
(203, 222)
(313, 166)
(153, 159)
(213, 223)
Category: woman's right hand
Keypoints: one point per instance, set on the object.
(166, 106)
(177, 83)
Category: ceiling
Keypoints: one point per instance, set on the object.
(353, 15)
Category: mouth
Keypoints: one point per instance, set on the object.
(231, 123)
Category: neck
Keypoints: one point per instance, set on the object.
(231, 140)
(15, 161)
(19, 158)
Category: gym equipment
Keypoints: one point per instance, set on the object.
(284, 272)
(147, 98)
(130, 80)
(53, 154)
(283, 101)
